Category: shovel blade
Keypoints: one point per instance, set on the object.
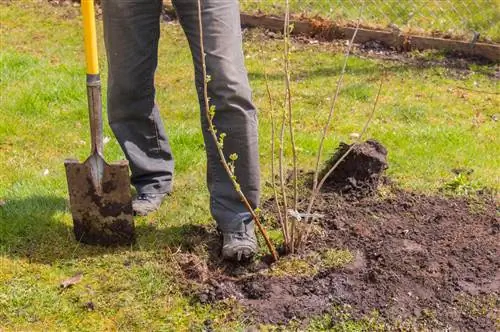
(102, 212)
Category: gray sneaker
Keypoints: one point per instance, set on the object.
(143, 204)
(240, 245)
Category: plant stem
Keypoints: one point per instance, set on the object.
(316, 191)
(332, 107)
(273, 170)
(282, 178)
(223, 160)
(288, 100)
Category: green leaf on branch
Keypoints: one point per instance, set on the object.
(221, 140)
(211, 111)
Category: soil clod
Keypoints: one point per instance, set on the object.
(360, 171)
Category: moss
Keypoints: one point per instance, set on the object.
(335, 258)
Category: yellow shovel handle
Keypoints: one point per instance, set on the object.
(89, 31)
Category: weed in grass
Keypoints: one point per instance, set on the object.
(358, 91)
(461, 184)
(340, 319)
(409, 113)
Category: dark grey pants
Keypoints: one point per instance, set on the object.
(132, 31)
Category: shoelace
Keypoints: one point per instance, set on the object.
(240, 236)
(145, 197)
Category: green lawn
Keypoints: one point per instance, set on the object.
(428, 125)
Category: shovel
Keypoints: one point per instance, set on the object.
(99, 192)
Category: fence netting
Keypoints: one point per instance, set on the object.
(474, 20)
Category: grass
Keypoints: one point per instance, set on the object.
(428, 125)
(455, 18)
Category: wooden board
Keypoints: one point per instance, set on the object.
(398, 40)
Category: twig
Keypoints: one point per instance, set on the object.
(212, 131)
(288, 101)
(332, 105)
(316, 191)
(273, 171)
(286, 237)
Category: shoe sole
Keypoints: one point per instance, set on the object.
(242, 254)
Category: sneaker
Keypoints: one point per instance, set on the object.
(239, 245)
(144, 204)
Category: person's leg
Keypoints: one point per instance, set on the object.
(235, 115)
(131, 32)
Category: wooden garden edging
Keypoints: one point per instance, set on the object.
(329, 31)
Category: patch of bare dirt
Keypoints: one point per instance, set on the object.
(419, 258)
(432, 262)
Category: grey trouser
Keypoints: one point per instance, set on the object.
(132, 31)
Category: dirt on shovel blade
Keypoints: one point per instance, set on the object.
(103, 218)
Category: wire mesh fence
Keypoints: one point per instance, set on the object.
(467, 19)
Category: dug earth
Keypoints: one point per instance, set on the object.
(418, 261)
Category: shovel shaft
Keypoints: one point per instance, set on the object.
(95, 113)
(93, 79)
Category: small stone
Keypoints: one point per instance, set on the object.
(89, 306)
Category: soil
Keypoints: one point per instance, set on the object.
(425, 262)
(360, 171)
(428, 260)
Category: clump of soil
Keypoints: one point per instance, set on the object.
(360, 171)
(428, 260)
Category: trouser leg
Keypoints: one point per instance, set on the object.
(235, 114)
(131, 32)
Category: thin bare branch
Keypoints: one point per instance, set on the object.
(273, 145)
(281, 162)
(288, 101)
(317, 190)
(365, 128)
(332, 105)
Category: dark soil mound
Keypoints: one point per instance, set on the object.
(427, 261)
(360, 171)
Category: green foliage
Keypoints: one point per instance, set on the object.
(461, 184)
(409, 113)
(211, 112)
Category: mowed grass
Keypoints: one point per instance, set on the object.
(427, 123)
